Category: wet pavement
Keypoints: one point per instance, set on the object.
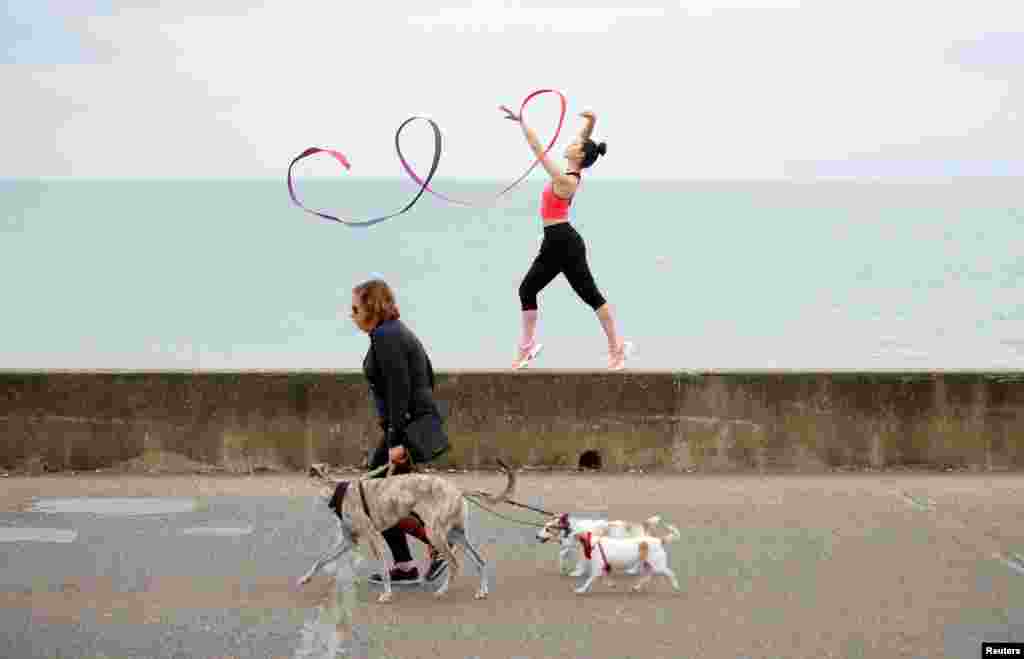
(188, 577)
(883, 566)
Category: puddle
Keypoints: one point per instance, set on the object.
(116, 506)
(328, 631)
(37, 535)
(221, 531)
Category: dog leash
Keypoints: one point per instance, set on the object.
(413, 469)
(469, 497)
(514, 503)
(362, 496)
(523, 505)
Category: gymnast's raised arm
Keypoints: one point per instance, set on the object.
(538, 151)
(588, 127)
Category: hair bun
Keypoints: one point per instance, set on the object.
(602, 148)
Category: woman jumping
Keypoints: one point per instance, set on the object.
(563, 250)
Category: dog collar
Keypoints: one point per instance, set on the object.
(338, 497)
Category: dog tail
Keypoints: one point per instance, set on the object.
(319, 470)
(509, 488)
(673, 534)
(651, 524)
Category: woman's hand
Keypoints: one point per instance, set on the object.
(588, 127)
(509, 114)
(397, 454)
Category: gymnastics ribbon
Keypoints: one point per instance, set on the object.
(423, 183)
(344, 162)
(522, 109)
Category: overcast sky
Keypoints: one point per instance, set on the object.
(699, 90)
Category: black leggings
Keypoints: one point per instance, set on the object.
(562, 252)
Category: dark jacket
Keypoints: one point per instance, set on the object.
(401, 378)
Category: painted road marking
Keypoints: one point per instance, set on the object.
(28, 534)
(219, 531)
(116, 506)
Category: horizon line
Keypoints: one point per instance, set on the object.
(499, 180)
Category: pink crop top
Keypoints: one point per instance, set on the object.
(553, 207)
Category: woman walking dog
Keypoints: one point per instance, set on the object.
(563, 250)
(401, 380)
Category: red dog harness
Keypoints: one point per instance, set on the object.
(588, 550)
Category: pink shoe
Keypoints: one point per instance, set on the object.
(617, 359)
(526, 356)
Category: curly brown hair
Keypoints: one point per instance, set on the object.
(377, 300)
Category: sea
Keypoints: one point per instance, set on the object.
(228, 274)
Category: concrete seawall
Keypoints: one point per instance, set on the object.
(722, 421)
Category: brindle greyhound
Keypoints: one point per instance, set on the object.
(381, 503)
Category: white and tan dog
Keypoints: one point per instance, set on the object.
(604, 554)
(566, 527)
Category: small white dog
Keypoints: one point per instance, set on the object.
(566, 527)
(603, 554)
